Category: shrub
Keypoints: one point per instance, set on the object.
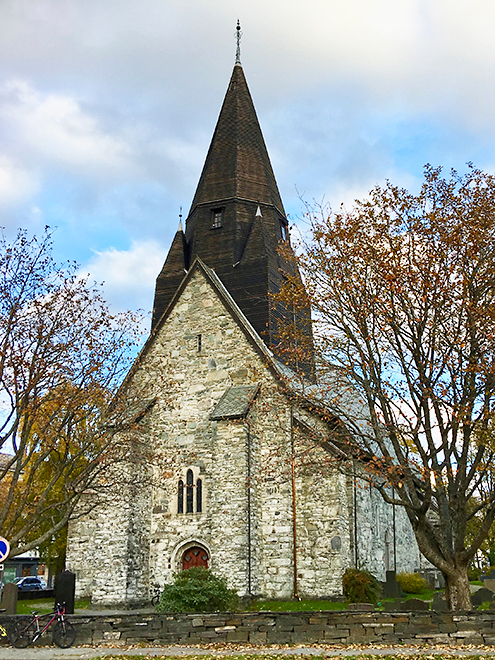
(197, 590)
(360, 586)
(412, 583)
(474, 573)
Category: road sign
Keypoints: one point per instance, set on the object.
(4, 549)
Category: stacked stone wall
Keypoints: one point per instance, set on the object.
(260, 628)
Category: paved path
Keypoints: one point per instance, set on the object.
(86, 653)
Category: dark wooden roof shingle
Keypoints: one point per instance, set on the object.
(243, 249)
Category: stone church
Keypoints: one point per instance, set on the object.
(239, 475)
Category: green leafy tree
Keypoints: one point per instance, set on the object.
(403, 293)
(61, 354)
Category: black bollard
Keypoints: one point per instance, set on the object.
(65, 590)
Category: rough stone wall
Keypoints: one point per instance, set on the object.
(272, 427)
(80, 549)
(187, 439)
(245, 525)
(375, 534)
(110, 544)
(257, 628)
(323, 539)
(108, 549)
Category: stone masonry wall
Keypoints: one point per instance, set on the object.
(287, 628)
(244, 527)
(375, 535)
(186, 438)
(217, 451)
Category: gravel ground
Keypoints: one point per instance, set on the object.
(113, 653)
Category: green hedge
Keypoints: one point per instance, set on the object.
(360, 586)
(412, 583)
(197, 590)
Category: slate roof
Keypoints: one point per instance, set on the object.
(133, 413)
(235, 402)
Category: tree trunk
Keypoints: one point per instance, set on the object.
(457, 590)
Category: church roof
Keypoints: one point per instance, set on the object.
(237, 225)
(237, 164)
(235, 402)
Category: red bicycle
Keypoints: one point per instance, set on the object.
(63, 635)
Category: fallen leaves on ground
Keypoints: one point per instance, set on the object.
(314, 651)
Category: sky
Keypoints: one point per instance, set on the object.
(107, 109)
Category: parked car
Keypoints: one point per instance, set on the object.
(28, 583)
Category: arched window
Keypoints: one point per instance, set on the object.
(189, 492)
(199, 496)
(180, 497)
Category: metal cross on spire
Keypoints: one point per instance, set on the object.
(238, 35)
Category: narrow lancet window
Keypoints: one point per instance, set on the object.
(199, 496)
(180, 497)
(189, 492)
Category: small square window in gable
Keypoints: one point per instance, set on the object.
(216, 218)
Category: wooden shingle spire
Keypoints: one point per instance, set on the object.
(237, 219)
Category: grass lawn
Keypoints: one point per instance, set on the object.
(427, 594)
(295, 605)
(45, 605)
(316, 605)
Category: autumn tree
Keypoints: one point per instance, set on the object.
(61, 354)
(402, 289)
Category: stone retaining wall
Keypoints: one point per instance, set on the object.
(287, 628)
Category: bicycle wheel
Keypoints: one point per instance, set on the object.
(64, 634)
(22, 634)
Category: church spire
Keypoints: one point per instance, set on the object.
(237, 220)
(237, 164)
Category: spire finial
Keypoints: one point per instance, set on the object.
(180, 220)
(238, 35)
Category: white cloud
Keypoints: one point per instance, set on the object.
(110, 104)
(128, 276)
(16, 183)
(55, 128)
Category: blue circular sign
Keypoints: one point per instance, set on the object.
(4, 549)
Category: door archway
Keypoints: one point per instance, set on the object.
(194, 556)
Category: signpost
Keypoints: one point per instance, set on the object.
(9, 592)
(4, 549)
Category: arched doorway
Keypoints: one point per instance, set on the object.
(194, 556)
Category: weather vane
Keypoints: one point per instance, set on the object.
(238, 35)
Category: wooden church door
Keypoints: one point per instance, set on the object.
(194, 557)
